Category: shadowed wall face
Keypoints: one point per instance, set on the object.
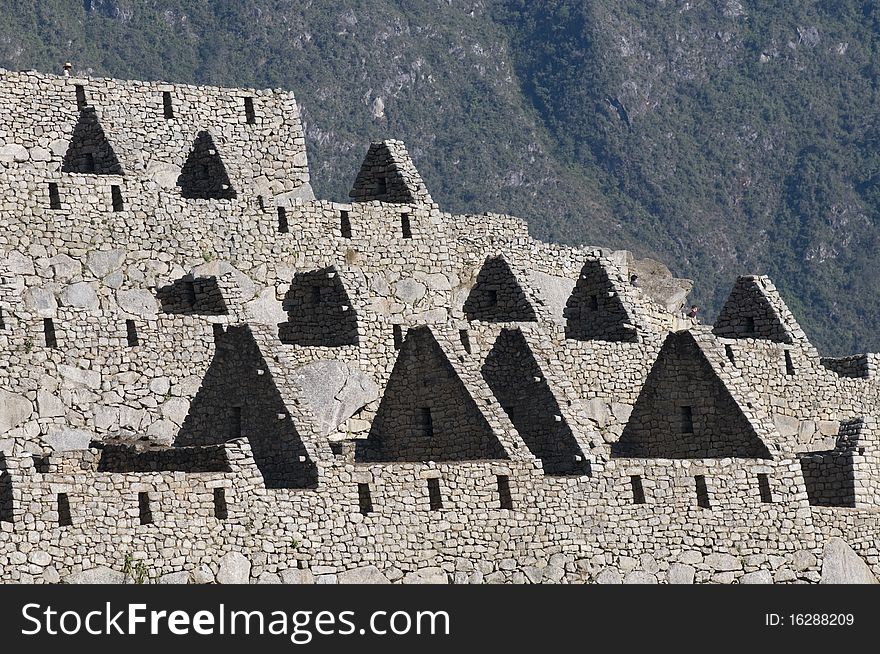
(204, 176)
(89, 151)
(193, 296)
(319, 311)
(497, 296)
(684, 411)
(519, 384)
(427, 413)
(238, 398)
(595, 311)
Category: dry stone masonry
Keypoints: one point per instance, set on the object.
(210, 376)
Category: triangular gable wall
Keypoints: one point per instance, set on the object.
(204, 175)
(754, 309)
(89, 151)
(595, 310)
(497, 295)
(388, 174)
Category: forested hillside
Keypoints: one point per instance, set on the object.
(722, 137)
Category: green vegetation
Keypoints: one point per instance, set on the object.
(721, 138)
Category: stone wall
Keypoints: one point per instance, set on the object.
(211, 376)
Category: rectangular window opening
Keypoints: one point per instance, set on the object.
(54, 196)
(702, 492)
(49, 333)
(426, 422)
(261, 203)
(116, 196)
(594, 303)
(2, 320)
(465, 339)
(789, 364)
(64, 517)
(750, 325)
(131, 333)
(365, 500)
(316, 294)
(167, 106)
(221, 510)
(381, 185)
(638, 490)
(80, 97)
(345, 224)
(434, 497)
(764, 488)
(687, 420)
(235, 422)
(89, 163)
(144, 508)
(405, 226)
(217, 328)
(249, 114)
(398, 336)
(283, 227)
(728, 350)
(493, 297)
(504, 496)
(189, 293)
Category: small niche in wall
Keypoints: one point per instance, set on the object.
(54, 196)
(49, 333)
(764, 488)
(167, 106)
(504, 497)
(315, 294)
(218, 331)
(638, 490)
(789, 364)
(435, 500)
(365, 499)
(131, 333)
(686, 415)
(749, 325)
(381, 185)
(235, 422)
(405, 226)
(426, 422)
(81, 101)
(492, 297)
(88, 163)
(465, 339)
(249, 114)
(2, 320)
(345, 224)
(221, 510)
(283, 226)
(702, 492)
(261, 203)
(116, 197)
(144, 509)
(728, 351)
(594, 303)
(398, 336)
(64, 517)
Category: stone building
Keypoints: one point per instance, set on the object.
(210, 375)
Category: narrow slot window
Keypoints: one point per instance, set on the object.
(638, 490)
(283, 227)
(434, 498)
(116, 196)
(492, 297)
(750, 326)
(49, 333)
(594, 303)
(398, 336)
(345, 224)
(405, 226)
(2, 320)
(131, 333)
(465, 339)
(80, 97)
(504, 497)
(54, 196)
(789, 364)
(235, 422)
(381, 186)
(365, 500)
(728, 350)
(249, 114)
(261, 203)
(144, 509)
(64, 517)
(687, 420)
(764, 488)
(167, 106)
(189, 293)
(702, 492)
(221, 510)
(316, 294)
(89, 163)
(426, 422)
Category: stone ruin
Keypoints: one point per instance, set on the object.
(211, 376)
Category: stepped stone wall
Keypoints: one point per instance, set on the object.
(210, 376)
